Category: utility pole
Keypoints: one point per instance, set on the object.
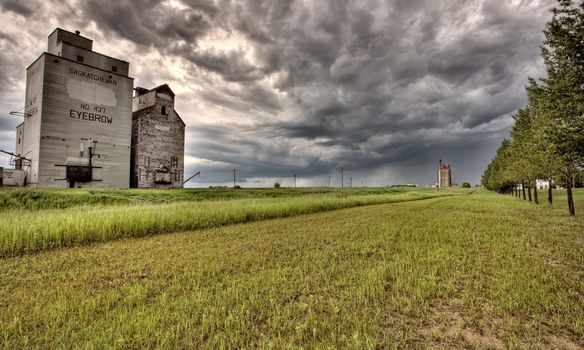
(329, 181)
(438, 175)
(234, 171)
(342, 179)
(294, 180)
(350, 182)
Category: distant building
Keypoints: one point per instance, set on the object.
(539, 184)
(542, 184)
(444, 175)
(158, 140)
(77, 117)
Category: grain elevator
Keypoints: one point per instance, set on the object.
(77, 116)
(83, 128)
(158, 139)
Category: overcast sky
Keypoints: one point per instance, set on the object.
(274, 88)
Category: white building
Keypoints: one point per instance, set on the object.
(78, 116)
(539, 184)
(542, 184)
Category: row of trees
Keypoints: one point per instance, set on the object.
(547, 139)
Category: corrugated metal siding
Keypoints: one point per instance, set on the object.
(60, 35)
(144, 101)
(32, 123)
(66, 97)
(93, 59)
(19, 147)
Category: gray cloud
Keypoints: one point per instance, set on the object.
(17, 7)
(152, 22)
(312, 86)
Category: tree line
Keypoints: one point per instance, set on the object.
(547, 138)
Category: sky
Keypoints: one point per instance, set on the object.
(380, 89)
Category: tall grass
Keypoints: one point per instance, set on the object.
(23, 231)
(30, 198)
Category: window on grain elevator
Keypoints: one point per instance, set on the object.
(79, 58)
(163, 110)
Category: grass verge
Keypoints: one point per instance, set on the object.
(39, 199)
(24, 231)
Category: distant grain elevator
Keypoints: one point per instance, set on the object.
(444, 175)
(158, 137)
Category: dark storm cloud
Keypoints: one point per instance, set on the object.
(152, 22)
(175, 31)
(230, 65)
(247, 98)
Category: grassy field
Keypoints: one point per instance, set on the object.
(475, 271)
(85, 219)
(18, 199)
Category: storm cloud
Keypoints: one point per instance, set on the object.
(273, 88)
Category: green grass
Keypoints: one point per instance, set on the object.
(35, 199)
(29, 230)
(476, 271)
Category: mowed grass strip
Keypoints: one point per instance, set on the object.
(24, 231)
(478, 271)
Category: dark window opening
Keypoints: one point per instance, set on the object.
(114, 69)
(77, 173)
(79, 58)
(163, 110)
(19, 140)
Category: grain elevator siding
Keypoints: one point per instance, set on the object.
(31, 128)
(84, 107)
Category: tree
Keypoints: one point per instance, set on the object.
(465, 185)
(543, 146)
(276, 185)
(547, 139)
(497, 176)
(563, 104)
